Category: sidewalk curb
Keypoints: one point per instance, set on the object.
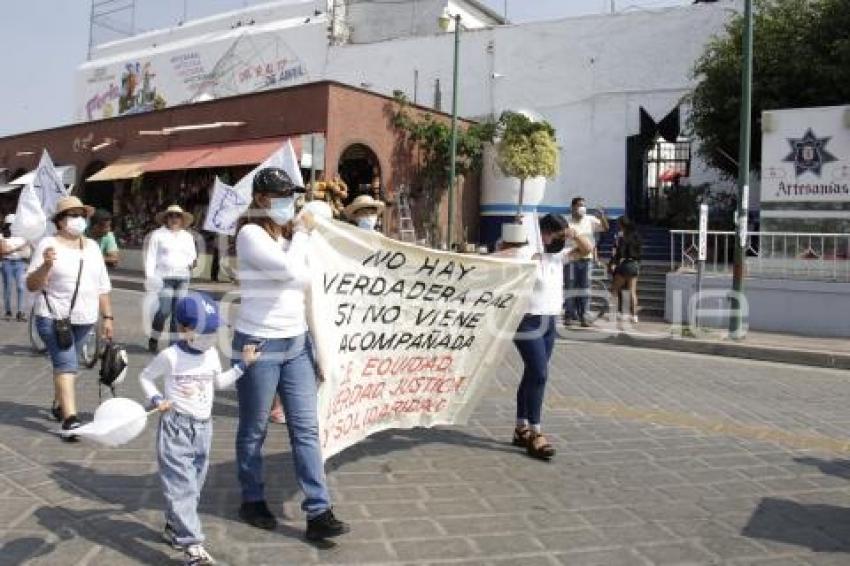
(811, 358)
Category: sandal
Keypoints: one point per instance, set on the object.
(522, 435)
(538, 447)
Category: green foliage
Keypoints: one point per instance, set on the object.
(801, 58)
(526, 148)
(683, 203)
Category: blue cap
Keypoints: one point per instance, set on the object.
(199, 312)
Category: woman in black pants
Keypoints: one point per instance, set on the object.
(626, 266)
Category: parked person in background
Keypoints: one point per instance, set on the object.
(626, 266)
(14, 252)
(364, 211)
(535, 336)
(170, 257)
(191, 372)
(100, 230)
(271, 249)
(577, 273)
(69, 275)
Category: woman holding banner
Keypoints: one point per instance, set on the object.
(69, 275)
(271, 250)
(535, 336)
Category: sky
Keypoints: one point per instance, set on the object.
(45, 40)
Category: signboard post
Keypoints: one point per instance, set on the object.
(702, 254)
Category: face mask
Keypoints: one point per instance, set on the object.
(282, 210)
(76, 226)
(554, 246)
(581, 211)
(202, 342)
(367, 222)
(620, 234)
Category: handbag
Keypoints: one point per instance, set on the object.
(113, 367)
(62, 327)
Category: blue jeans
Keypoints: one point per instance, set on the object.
(534, 339)
(63, 361)
(577, 282)
(285, 367)
(172, 291)
(13, 273)
(182, 451)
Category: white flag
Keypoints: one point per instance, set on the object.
(228, 203)
(38, 200)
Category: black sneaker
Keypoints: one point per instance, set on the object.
(71, 423)
(170, 537)
(257, 514)
(325, 526)
(8, 315)
(153, 345)
(56, 411)
(21, 317)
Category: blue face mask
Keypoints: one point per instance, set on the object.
(282, 210)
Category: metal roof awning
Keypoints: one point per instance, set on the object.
(249, 152)
(128, 167)
(178, 159)
(67, 173)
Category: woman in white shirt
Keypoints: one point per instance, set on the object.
(15, 251)
(169, 260)
(535, 336)
(271, 250)
(69, 275)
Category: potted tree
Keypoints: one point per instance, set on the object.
(525, 149)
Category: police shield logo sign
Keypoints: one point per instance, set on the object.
(808, 153)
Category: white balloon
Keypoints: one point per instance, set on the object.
(116, 421)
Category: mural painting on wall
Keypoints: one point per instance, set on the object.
(248, 63)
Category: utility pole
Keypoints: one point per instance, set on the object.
(453, 164)
(735, 318)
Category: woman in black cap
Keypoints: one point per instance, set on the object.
(271, 250)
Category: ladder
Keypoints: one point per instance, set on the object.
(406, 230)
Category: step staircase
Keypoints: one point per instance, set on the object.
(653, 270)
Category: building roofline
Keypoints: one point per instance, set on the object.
(481, 7)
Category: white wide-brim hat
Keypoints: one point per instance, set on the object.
(175, 209)
(361, 202)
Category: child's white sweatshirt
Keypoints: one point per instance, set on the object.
(190, 379)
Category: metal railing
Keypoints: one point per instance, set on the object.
(779, 255)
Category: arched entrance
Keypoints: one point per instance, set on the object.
(99, 194)
(359, 168)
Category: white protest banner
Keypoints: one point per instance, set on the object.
(228, 203)
(38, 200)
(405, 336)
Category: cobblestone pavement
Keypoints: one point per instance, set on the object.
(664, 458)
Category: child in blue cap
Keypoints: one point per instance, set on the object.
(191, 371)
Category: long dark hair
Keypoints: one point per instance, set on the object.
(626, 225)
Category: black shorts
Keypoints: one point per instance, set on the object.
(629, 268)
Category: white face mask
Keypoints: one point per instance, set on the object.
(282, 210)
(202, 342)
(367, 222)
(76, 226)
(581, 211)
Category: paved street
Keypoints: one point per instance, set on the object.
(664, 458)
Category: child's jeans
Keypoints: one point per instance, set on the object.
(183, 446)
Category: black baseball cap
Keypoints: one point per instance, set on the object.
(274, 181)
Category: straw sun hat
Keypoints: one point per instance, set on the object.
(361, 202)
(70, 203)
(175, 209)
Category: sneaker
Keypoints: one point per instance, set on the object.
(169, 536)
(197, 555)
(325, 526)
(257, 514)
(56, 411)
(585, 323)
(153, 345)
(634, 319)
(21, 317)
(8, 315)
(71, 423)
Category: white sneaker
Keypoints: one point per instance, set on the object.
(197, 555)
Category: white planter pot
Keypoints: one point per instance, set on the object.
(499, 194)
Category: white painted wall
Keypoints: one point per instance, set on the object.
(812, 308)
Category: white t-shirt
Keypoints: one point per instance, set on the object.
(588, 226)
(94, 280)
(273, 279)
(547, 296)
(170, 254)
(15, 242)
(190, 379)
